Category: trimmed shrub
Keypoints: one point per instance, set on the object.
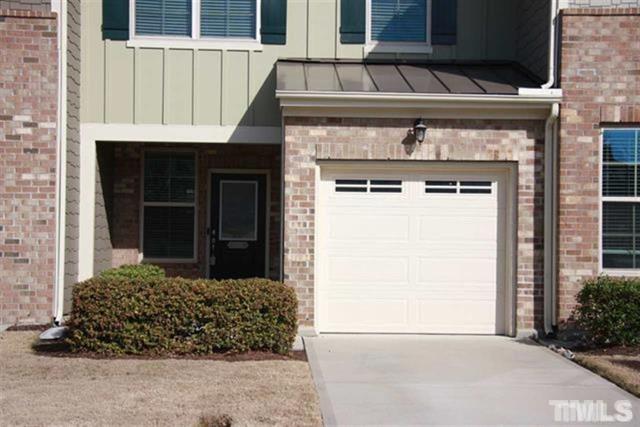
(180, 316)
(134, 271)
(609, 310)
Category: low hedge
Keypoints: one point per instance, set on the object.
(609, 311)
(134, 271)
(180, 316)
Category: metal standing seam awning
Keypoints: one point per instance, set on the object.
(385, 84)
(380, 77)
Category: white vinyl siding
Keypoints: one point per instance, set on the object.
(621, 199)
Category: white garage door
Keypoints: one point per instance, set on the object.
(411, 252)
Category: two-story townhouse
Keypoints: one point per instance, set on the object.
(29, 101)
(397, 162)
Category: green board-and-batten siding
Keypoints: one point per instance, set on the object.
(123, 84)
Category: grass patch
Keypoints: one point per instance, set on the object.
(620, 366)
(150, 392)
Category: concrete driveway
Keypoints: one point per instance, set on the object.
(452, 380)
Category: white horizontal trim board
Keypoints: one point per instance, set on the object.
(387, 47)
(182, 133)
(203, 43)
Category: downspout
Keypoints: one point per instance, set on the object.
(550, 178)
(61, 155)
(552, 45)
(550, 184)
(282, 195)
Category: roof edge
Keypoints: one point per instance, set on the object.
(340, 104)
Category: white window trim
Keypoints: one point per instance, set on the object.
(373, 46)
(195, 41)
(144, 204)
(615, 272)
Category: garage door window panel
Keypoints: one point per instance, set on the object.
(475, 187)
(458, 187)
(368, 186)
(385, 186)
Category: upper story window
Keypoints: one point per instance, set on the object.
(228, 18)
(163, 17)
(621, 199)
(399, 21)
(399, 26)
(197, 19)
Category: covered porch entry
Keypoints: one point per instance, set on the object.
(197, 210)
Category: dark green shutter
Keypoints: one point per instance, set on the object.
(273, 25)
(115, 19)
(444, 21)
(353, 16)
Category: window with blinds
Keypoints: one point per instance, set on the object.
(163, 17)
(621, 199)
(169, 205)
(228, 18)
(213, 18)
(398, 20)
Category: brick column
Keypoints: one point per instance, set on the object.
(600, 78)
(28, 113)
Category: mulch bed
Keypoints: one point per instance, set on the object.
(61, 349)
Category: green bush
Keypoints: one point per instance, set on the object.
(609, 311)
(134, 271)
(180, 316)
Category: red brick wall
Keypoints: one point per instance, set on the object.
(600, 78)
(125, 221)
(28, 102)
(310, 139)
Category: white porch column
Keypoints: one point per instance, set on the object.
(86, 214)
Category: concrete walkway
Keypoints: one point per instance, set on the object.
(449, 380)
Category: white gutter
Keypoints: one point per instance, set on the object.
(524, 97)
(61, 157)
(552, 45)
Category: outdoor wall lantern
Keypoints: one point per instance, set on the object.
(419, 130)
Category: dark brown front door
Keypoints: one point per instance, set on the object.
(237, 235)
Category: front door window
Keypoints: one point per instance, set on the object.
(238, 210)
